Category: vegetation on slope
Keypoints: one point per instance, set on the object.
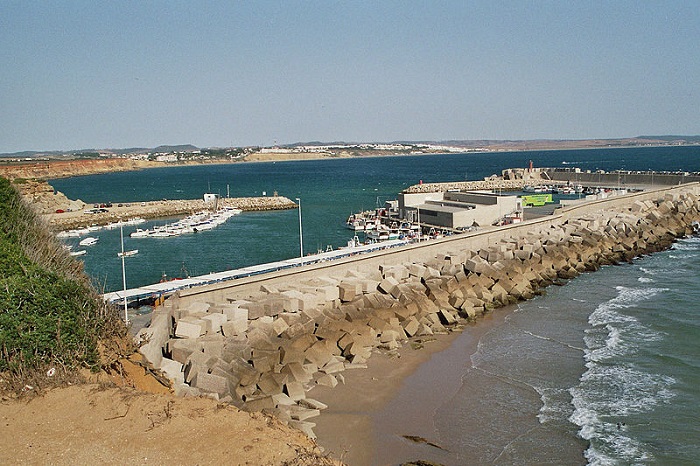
(49, 312)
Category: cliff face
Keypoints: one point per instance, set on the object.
(61, 169)
(44, 199)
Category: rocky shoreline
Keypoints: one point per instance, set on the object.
(265, 351)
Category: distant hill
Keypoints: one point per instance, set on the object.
(31, 154)
(473, 144)
(671, 138)
(180, 148)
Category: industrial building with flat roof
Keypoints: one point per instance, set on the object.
(457, 210)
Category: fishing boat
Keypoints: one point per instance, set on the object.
(361, 222)
(133, 252)
(89, 241)
(383, 233)
(537, 189)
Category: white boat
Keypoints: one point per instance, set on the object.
(78, 253)
(363, 221)
(89, 241)
(537, 189)
(139, 233)
(200, 221)
(133, 252)
(565, 190)
(383, 233)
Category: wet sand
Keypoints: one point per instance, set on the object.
(396, 396)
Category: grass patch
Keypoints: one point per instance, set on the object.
(50, 315)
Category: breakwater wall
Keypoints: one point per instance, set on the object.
(622, 178)
(489, 185)
(164, 208)
(263, 342)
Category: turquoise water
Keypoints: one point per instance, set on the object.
(604, 370)
(329, 191)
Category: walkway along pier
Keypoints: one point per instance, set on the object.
(261, 342)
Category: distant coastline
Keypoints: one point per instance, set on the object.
(61, 164)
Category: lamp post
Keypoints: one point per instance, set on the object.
(301, 235)
(121, 235)
(418, 219)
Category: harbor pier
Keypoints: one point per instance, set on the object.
(262, 341)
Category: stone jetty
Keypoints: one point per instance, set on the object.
(489, 184)
(264, 349)
(164, 208)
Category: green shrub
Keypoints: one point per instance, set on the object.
(49, 313)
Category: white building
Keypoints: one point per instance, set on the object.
(457, 209)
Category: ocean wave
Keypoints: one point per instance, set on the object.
(620, 447)
(621, 390)
(607, 312)
(690, 243)
(603, 399)
(556, 404)
(613, 388)
(645, 280)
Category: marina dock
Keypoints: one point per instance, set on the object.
(167, 288)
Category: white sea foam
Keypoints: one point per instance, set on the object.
(600, 453)
(645, 280)
(608, 312)
(556, 404)
(613, 392)
(612, 387)
(692, 243)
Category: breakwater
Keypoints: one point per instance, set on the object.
(622, 178)
(164, 208)
(261, 343)
(492, 184)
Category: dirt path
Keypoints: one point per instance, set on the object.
(108, 421)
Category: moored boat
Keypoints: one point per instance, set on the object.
(194, 223)
(133, 252)
(89, 241)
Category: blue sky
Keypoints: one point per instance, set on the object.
(123, 74)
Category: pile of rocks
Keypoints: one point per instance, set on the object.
(266, 351)
(259, 203)
(487, 184)
(44, 199)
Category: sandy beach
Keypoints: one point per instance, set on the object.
(396, 396)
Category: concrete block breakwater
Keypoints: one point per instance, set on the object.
(489, 185)
(263, 350)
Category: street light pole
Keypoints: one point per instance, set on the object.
(301, 235)
(418, 218)
(121, 235)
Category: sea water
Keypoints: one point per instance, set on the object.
(329, 191)
(603, 370)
